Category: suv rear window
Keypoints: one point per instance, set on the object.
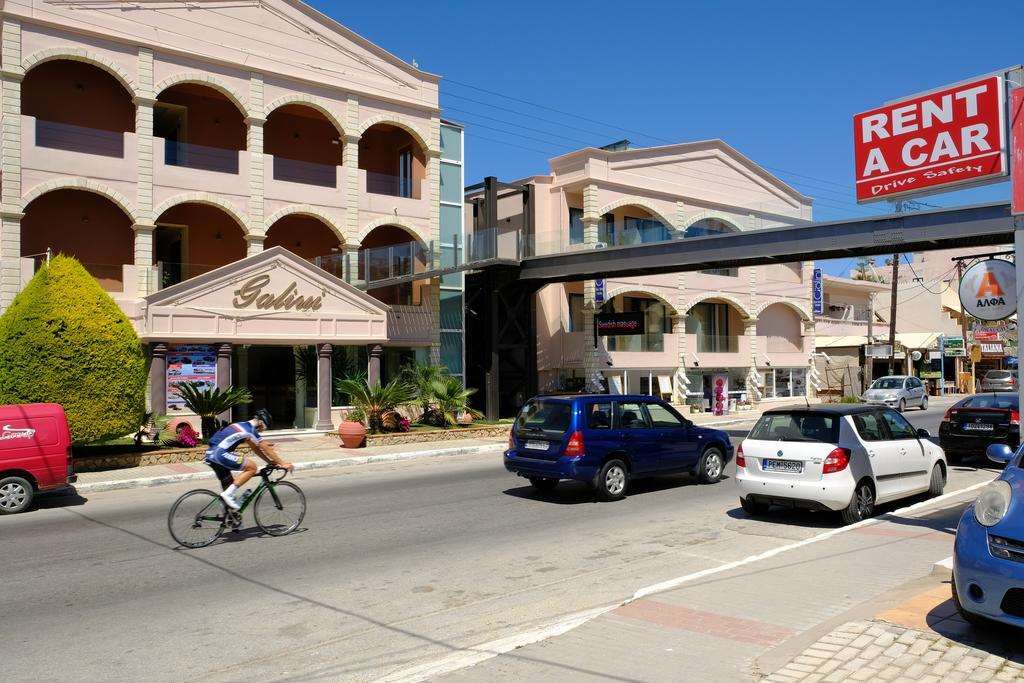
(796, 426)
(997, 374)
(549, 416)
(990, 401)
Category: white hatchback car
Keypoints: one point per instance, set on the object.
(846, 458)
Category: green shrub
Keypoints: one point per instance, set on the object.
(849, 399)
(64, 340)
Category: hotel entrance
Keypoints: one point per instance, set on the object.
(269, 373)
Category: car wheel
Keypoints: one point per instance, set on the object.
(712, 464)
(753, 509)
(15, 495)
(612, 480)
(903, 405)
(938, 481)
(862, 505)
(543, 483)
(924, 403)
(970, 617)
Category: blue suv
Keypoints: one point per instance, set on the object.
(606, 440)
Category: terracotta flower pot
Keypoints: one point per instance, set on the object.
(176, 423)
(353, 434)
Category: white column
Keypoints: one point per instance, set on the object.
(679, 322)
(750, 330)
(254, 144)
(11, 75)
(350, 160)
(144, 102)
(144, 258)
(591, 221)
(254, 243)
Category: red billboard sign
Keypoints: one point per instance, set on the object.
(922, 144)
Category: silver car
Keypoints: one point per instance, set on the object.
(999, 380)
(898, 391)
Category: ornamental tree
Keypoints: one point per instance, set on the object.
(64, 340)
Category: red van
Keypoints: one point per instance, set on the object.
(35, 453)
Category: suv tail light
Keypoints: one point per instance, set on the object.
(740, 460)
(1015, 417)
(950, 412)
(574, 449)
(836, 461)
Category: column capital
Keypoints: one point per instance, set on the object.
(8, 215)
(376, 350)
(158, 348)
(17, 76)
(143, 101)
(143, 227)
(324, 350)
(255, 121)
(352, 139)
(224, 350)
(433, 154)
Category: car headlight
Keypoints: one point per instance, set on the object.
(991, 506)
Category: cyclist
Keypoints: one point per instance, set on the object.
(221, 458)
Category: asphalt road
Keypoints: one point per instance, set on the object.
(395, 565)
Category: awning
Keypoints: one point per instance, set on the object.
(916, 340)
(836, 342)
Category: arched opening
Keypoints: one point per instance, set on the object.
(394, 162)
(193, 238)
(716, 326)
(77, 107)
(305, 236)
(625, 225)
(781, 328)
(305, 145)
(657, 317)
(200, 128)
(713, 226)
(82, 224)
(390, 251)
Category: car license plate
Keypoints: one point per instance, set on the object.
(537, 445)
(978, 427)
(790, 466)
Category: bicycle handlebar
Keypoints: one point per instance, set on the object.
(270, 469)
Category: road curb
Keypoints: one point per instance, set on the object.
(144, 482)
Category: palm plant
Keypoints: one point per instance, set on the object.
(379, 402)
(453, 399)
(423, 377)
(209, 402)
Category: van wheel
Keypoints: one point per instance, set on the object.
(753, 509)
(15, 495)
(543, 483)
(938, 482)
(612, 480)
(862, 505)
(712, 465)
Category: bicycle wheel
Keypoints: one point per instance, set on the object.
(197, 518)
(280, 508)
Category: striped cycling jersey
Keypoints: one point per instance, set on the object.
(228, 438)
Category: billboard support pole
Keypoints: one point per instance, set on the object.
(1015, 99)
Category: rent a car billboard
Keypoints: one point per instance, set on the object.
(927, 143)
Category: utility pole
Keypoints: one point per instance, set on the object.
(963, 327)
(892, 314)
(869, 361)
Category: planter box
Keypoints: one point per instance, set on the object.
(425, 435)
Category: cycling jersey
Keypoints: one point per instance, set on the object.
(225, 441)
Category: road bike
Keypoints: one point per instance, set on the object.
(199, 517)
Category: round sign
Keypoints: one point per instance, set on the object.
(915, 356)
(988, 290)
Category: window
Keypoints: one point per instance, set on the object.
(713, 226)
(606, 230)
(630, 416)
(549, 416)
(869, 426)
(575, 226)
(710, 323)
(405, 173)
(599, 416)
(662, 417)
(898, 425)
(797, 426)
(575, 313)
(990, 401)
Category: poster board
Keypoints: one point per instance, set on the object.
(189, 363)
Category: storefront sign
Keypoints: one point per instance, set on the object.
(189, 363)
(922, 144)
(817, 293)
(990, 350)
(599, 291)
(613, 324)
(930, 374)
(988, 290)
(954, 347)
(251, 294)
(878, 350)
(720, 394)
(984, 335)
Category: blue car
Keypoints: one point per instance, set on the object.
(988, 558)
(607, 440)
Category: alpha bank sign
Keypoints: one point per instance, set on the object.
(988, 290)
(952, 136)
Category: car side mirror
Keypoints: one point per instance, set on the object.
(999, 453)
(923, 434)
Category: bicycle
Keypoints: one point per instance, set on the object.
(199, 517)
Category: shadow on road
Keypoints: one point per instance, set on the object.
(64, 498)
(994, 638)
(577, 492)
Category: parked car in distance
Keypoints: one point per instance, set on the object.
(845, 458)
(608, 440)
(988, 555)
(972, 424)
(898, 391)
(999, 380)
(35, 453)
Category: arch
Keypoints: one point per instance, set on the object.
(78, 54)
(310, 101)
(804, 315)
(696, 218)
(643, 204)
(78, 183)
(212, 200)
(640, 289)
(720, 296)
(306, 210)
(207, 80)
(393, 121)
(413, 231)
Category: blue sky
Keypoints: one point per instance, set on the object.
(779, 81)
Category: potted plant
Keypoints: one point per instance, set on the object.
(423, 377)
(377, 403)
(352, 431)
(209, 402)
(453, 401)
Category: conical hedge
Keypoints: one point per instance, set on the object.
(64, 340)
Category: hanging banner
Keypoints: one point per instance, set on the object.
(925, 143)
(189, 363)
(720, 394)
(817, 293)
(599, 291)
(1017, 142)
(613, 324)
(988, 290)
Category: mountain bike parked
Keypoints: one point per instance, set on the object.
(199, 517)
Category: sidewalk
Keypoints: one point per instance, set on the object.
(709, 419)
(858, 603)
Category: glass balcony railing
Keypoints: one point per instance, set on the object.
(717, 343)
(202, 157)
(72, 138)
(305, 172)
(648, 342)
(392, 185)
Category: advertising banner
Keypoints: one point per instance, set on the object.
(990, 350)
(189, 363)
(720, 394)
(923, 144)
(954, 347)
(817, 293)
(599, 288)
(988, 290)
(614, 324)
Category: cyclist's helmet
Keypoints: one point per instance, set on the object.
(263, 415)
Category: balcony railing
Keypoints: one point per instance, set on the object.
(72, 138)
(392, 185)
(718, 343)
(191, 155)
(850, 313)
(648, 342)
(781, 344)
(305, 172)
